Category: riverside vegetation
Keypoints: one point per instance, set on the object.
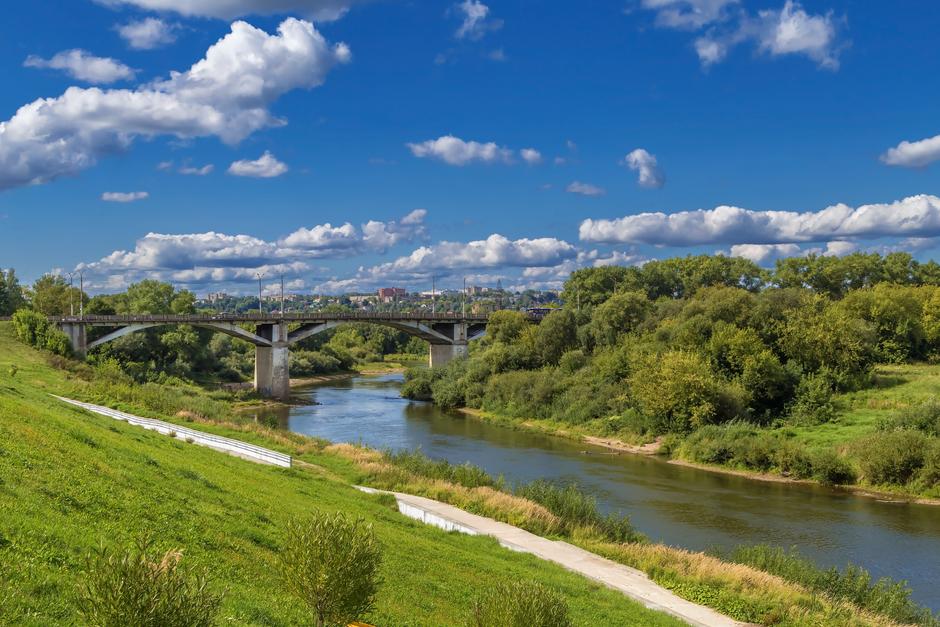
(823, 369)
(71, 481)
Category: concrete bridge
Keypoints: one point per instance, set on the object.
(274, 334)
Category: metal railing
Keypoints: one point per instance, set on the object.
(271, 318)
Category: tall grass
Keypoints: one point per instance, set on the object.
(854, 584)
(467, 475)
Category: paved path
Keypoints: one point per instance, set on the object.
(237, 448)
(630, 581)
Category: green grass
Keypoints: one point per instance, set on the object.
(70, 481)
(895, 387)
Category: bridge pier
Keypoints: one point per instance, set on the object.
(442, 354)
(77, 337)
(272, 363)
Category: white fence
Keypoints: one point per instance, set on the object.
(217, 442)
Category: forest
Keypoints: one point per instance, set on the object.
(720, 362)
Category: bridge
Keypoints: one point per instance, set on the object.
(274, 334)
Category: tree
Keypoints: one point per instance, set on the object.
(519, 604)
(620, 314)
(557, 333)
(506, 326)
(592, 286)
(332, 564)
(52, 296)
(11, 293)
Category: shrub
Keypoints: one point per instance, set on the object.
(891, 457)
(929, 477)
(332, 564)
(133, 588)
(854, 584)
(418, 383)
(829, 468)
(813, 403)
(33, 328)
(924, 417)
(578, 509)
(519, 604)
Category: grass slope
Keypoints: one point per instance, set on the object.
(70, 480)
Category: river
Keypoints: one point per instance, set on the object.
(676, 505)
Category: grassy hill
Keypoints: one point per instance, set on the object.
(70, 481)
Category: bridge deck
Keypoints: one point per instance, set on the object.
(310, 317)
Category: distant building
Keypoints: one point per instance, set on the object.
(216, 297)
(391, 292)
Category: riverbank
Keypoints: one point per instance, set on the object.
(657, 449)
(100, 450)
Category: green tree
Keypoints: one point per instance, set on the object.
(556, 334)
(11, 293)
(622, 313)
(506, 326)
(592, 286)
(819, 335)
(51, 296)
(332, 564)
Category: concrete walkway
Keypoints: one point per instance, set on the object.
(631, 582)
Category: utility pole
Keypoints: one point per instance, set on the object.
(71, 294)
(282, 295)
(260, 276)
(465, 297)
(81, 293)
(433, 296)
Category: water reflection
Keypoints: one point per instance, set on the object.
(677, 505)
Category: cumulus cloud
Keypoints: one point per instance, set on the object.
(124, 196)
(322, 10)
(84, 66)
(775, 32)
(585, 189)
(531, 156)
(496, 251)
(264, 167)
(147, 34)
(220, 257)
(197, 171)
(644, 164)
(915, 154)
(455, 151)
(764, 254)
(476, 20)
(916, 216)
(226, 94)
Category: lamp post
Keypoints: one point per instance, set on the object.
(260, 276)
(81, 293)
(465, 297)
(282, 295)
(71, 294)
(433, 296)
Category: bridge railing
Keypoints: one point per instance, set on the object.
(271, 318)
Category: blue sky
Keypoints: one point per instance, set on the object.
(491, 139)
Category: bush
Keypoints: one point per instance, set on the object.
(891, 457)
(924, 417)
(332, 564)
(829, 468)
(854, 584)
(34, 329)
(929, 478)
(577, 509)
(418, 383)
(519, 604)
(133, 588)
(813, 404)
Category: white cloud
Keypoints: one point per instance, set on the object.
(688, 14)
(764, 254)
(644, 164)
(321, 10)
(776, 32)
(585, 189)
(476, 21)
(455, 151)
(493, 252)
(197, 171)
(165, 166)
(793, 31)
(914, 154)
(916, 216)
(84, 66)
(147, 34)
(220, 257)
(264, 167)
(226, 95)
(531, 156)
(124, 196)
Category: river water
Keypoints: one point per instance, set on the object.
(680, 506)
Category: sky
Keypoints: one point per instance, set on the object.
(356, 144)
